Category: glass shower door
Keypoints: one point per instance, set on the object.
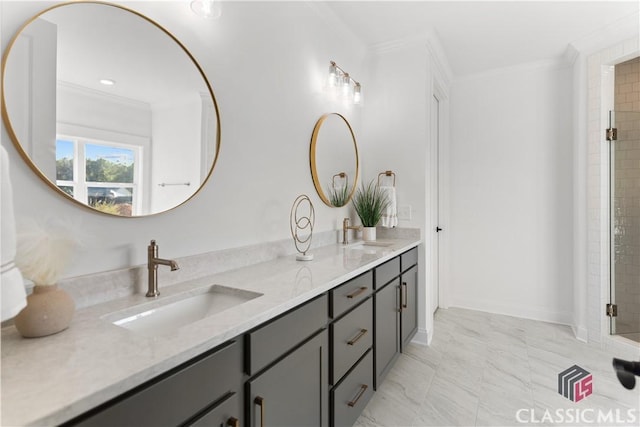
(625, 223)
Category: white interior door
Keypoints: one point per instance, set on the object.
(435, 203)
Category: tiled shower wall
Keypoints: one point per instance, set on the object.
(598, 65)
(626, 214)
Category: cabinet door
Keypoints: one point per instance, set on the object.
(293, 392)
(387, 327)
(409, 304)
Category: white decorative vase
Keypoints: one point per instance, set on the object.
(369, 234)
(49, 310)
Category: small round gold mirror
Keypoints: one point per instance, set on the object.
(334, 160)
(109, 109)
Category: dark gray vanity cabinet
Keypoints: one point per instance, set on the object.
(202, 390)
(287, 360)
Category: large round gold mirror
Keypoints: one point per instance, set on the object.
(109, 109)
(334, 159)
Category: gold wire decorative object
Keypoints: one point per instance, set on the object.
(299, 222)
(387, 173)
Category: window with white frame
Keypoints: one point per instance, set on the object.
(102, 174)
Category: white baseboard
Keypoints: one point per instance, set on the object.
(526, 312)
(422, 337)
(581, 334)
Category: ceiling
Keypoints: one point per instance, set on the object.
(481, 35)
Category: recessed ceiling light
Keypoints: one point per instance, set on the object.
(107, 82)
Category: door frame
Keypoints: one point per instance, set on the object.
(439, 275)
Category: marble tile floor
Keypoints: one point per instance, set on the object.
(484, 369)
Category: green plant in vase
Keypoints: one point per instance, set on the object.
(370, 203)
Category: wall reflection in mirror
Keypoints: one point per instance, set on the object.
(109, 109)
(334, 159)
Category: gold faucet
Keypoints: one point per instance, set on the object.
(152, 265)
(345, 230)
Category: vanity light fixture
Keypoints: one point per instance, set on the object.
(107, 82)
(207, 8)
(340, 82)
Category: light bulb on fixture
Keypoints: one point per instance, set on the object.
(357, 93)
(207, 8)
(107, 82)
(333, 75)
(346, 84)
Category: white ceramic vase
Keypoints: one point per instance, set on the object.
(369, 234)
(49, 310)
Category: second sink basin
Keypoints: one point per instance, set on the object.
(174, 314)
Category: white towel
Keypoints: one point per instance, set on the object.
(14, 297)
(390, 214)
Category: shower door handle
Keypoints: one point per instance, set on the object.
(438, 229)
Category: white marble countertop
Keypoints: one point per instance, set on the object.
(49, 380)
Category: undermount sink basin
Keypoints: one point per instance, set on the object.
(154, 320)
(377, 243)
(371, 243)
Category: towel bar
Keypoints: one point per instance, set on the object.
(387, 173)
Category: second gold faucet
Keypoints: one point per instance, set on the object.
(345, 230)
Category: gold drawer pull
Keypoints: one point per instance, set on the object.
(363, 388)
(357, 292)
(233, 422)
(354, 340)
(260, 401)
(404, 299)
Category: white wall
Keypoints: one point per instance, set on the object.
(511, 192)
(397, 136)
(267, 63)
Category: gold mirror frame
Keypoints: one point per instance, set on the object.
(25, 156)
(313, 155)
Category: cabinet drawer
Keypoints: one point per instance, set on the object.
(268, 342)
(178, 396)
(351, 336)
(350, 397)
(387, 272)
(409, 259)
(225, 413)
(351, 294)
